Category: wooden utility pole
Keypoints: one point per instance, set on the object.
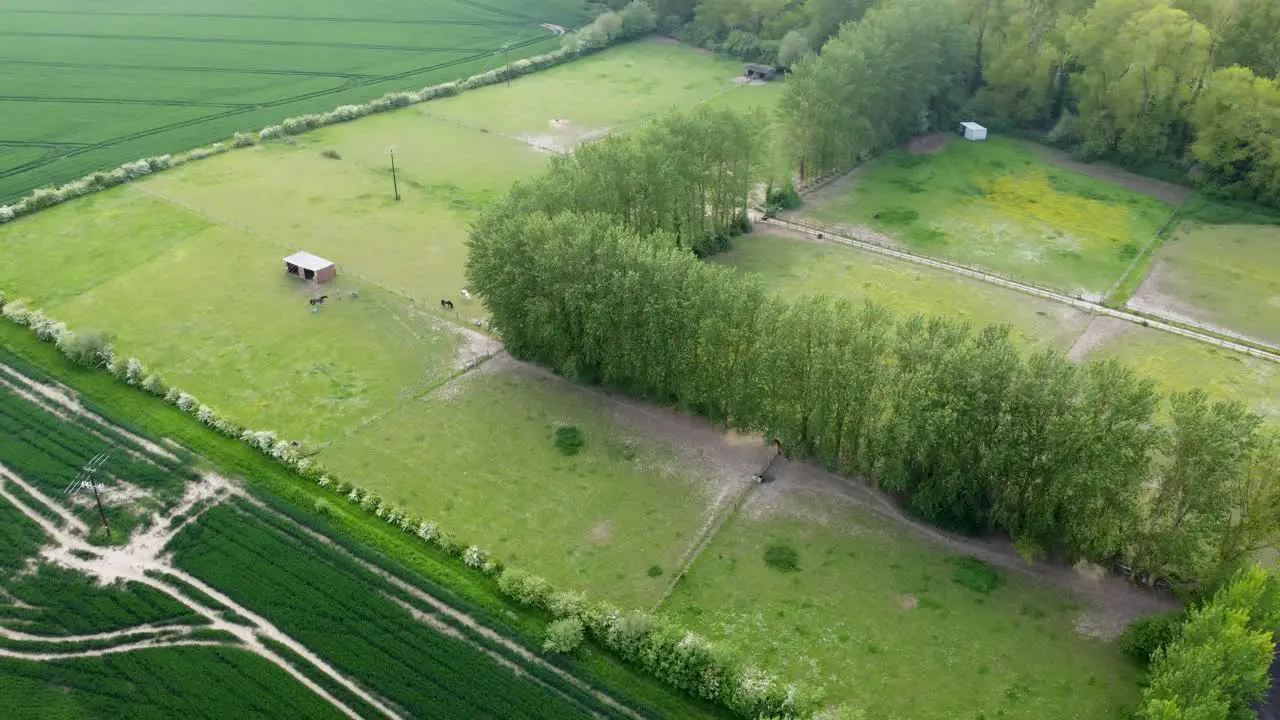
(394, 183)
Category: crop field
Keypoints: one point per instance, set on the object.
(122, 629)
(795, 265)
(1225, 275)
(88, 86)
(1001, 206)
(818, 586)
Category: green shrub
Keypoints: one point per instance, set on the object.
(782, 558)
(897, 216)
(321, 507)
(783, 198)
(569, 440)
(1145, 636)
(563, 636)
(655, 571)
(975, 575)
(331, 154)
(89, 349)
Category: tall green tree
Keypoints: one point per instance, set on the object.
(1192, 504)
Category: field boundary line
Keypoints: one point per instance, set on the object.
(712, 528)
(1239, 344)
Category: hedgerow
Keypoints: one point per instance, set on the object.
(575, 45)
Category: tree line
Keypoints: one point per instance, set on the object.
(689, 174)
(1077, 460)
(1181, 87)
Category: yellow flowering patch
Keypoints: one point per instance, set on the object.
(1032, 197)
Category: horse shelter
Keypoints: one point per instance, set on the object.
(310, 267)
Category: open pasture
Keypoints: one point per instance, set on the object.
(1179, 364)
(1227, 276)
(614, 518)
(810, 582)
(794, 264)
(87, 86)
(999, 205)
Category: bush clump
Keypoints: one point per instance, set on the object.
(1145, 636)
(563, 636)
(975, 575)
(569, 440)
(782, 558)
(86, 349)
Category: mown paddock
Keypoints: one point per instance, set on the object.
(873, 612)
(202, 299)
(89, 87)
(999, 205)
(1227, 276)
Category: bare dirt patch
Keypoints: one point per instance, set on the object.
(601, 532)
(907, 601)
(1098, 333)
(562, 136)
(928, 144)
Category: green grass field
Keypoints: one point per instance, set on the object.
(872, 613)
(1180, 364)
(796, 266)
(1001, 206)
(89, 86)
(479, 458)
(1224, 275)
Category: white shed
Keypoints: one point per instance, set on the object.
(973, 131)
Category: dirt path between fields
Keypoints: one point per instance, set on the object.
(1166, 192)
(61, 401)
(141, 558)
(457, 615)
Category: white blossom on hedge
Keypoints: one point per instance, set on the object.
(6, 214)
(172, 395)
(355, 495)
(270, 132)
(136, 169)
(153, 384)
(371, 502)
(474, 556)
(427, 531)
(134, 371)
(243, 140)
(186, 402)
(17, 312)
(324, 481)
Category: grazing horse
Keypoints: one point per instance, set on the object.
(446, 304)
(318, 301)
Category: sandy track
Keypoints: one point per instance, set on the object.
(116, 650)
(58, 397)
(133, 562)
(461, 617)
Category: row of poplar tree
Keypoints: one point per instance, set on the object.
(1073, 459)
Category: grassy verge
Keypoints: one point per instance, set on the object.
(151, 416)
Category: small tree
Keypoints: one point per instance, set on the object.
(637, 19)
(563, 636)
(794, 46)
